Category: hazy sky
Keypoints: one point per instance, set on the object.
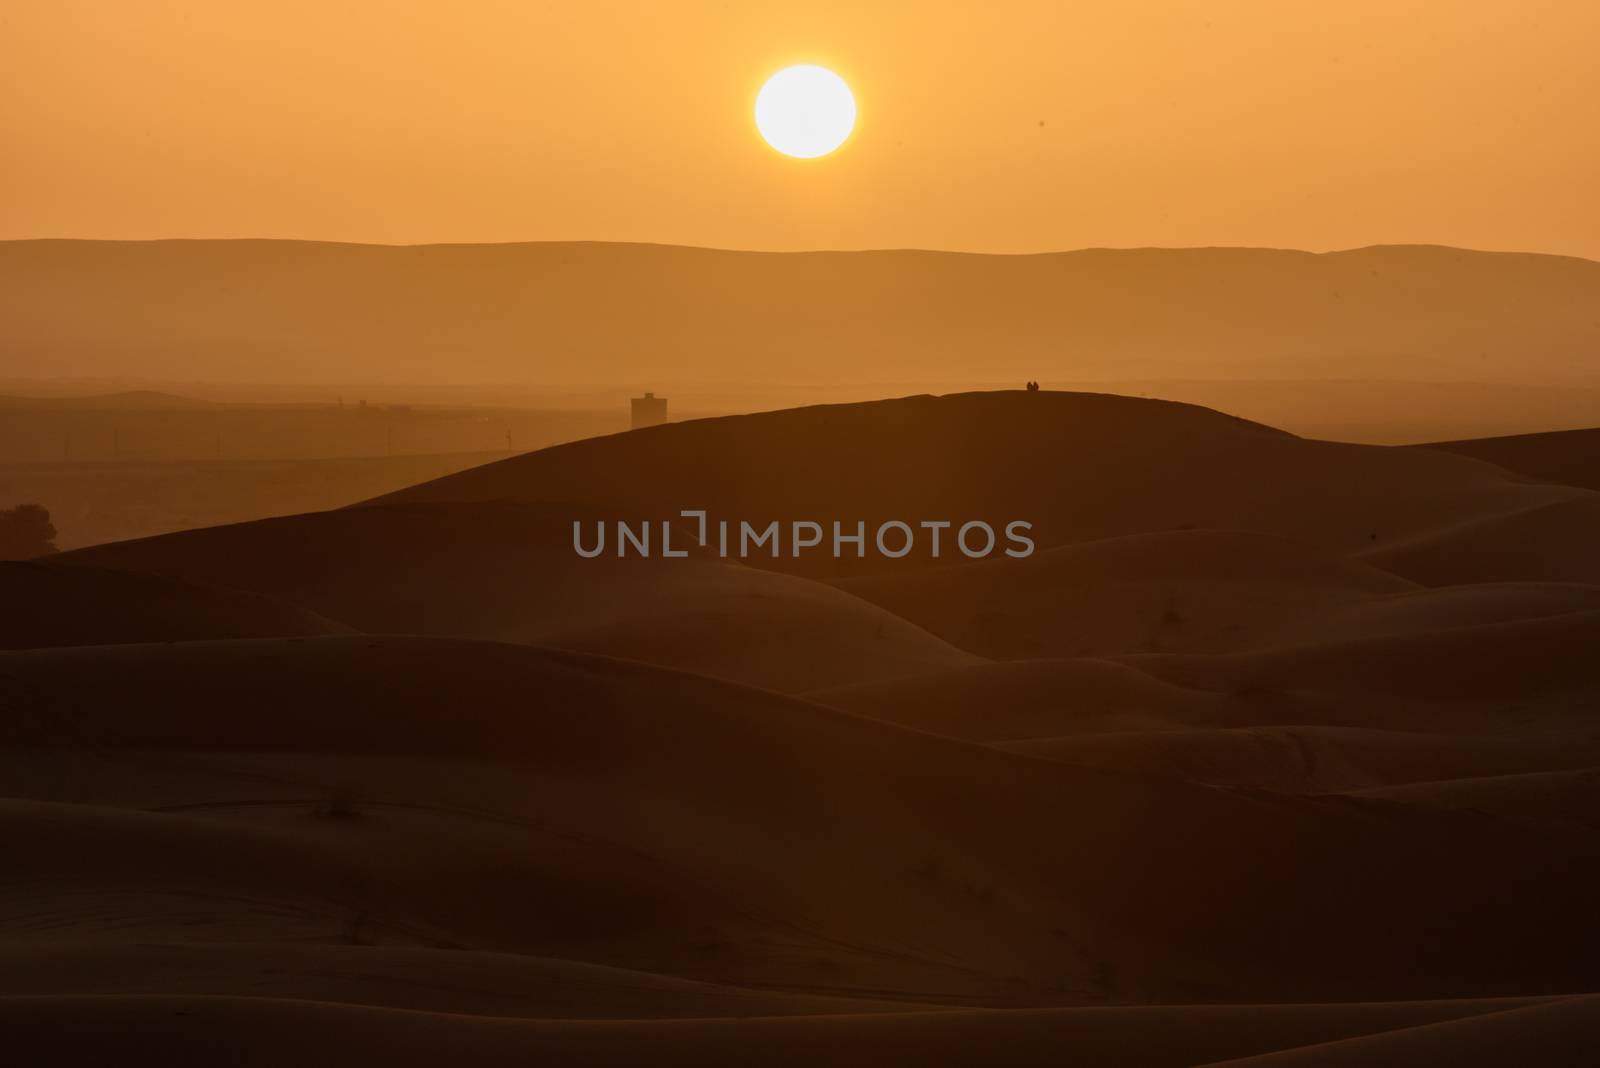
(986, 126)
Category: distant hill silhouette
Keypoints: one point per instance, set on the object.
(592, 312)
(129, 400)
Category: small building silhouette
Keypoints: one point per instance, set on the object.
(649, 410)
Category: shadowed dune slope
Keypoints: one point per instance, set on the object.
(508, 572)
(1044, 698)
(1077, 466)
(1442, 609)
(1494, 662)
(516, 799)
(1552, 795)
(1562, 1032)
(1316, 759)
(1570, 457)
(50, 1031)
(1175, 591)
(425, 979)
(1554, 542)
(47, 604)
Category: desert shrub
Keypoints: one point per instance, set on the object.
(26, 532)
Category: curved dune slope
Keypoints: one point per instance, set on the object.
(1174, 591)
(1570, 457)
(1572, 795)
(48, 604)
(509, 573)
(1560, 1032)
(1018, 699)
(455, 794)
(1316, 759)
(50, 1030)
(1493, 662)
(421, 978)
(1442, 609)
(1553, 542)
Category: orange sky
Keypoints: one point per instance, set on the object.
(1238, 122)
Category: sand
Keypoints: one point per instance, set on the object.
(264, 1031)
(1173, 591)
(1277, 752)
(1112, 466)
(509, 573)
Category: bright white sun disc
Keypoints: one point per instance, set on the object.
(805, 111)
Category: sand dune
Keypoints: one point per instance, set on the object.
(1494, 662)
(50, 604)
(1548, 543)
(1315, 759)
(652, 820)
(1047, 698)
(1175, 591)
(1292, 775)
(509, 573)
(1561, 1032)
(1552, 795)
(1116, 466)
(1571, 457)
(477, 982)
(49, 1030)
(1442, 609)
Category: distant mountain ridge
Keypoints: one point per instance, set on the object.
(128, 400)
(259, 310)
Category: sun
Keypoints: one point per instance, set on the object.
(805, 111)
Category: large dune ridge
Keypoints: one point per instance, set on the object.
(1077, 466)
(319, 311)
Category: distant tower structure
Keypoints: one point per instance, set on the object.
(649, 410)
